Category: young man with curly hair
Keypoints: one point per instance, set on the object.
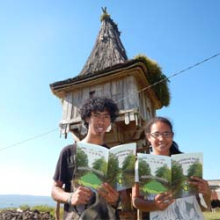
(97, 115)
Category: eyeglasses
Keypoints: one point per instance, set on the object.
(166, 134)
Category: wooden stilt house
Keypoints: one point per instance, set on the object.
(109, 72)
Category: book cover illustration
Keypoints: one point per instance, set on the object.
(96, 164)
(184, 166)
(159, 174)
(154, 174)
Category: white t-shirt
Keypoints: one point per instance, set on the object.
(186, 208)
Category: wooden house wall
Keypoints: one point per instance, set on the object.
(147, 110)
(124, 91)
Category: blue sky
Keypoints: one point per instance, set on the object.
(44, 41)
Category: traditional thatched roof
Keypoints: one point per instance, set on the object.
(154, 75)
(65, 85)
(108, 49)
(109, 57)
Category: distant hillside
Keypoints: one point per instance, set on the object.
(15, 201)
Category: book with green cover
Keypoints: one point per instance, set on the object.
(159, 173)
(96, 164)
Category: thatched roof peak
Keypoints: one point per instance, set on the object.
(108, 49)
(107, 17)
(105, 14)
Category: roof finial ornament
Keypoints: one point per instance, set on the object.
(105, 14)
(104, 10)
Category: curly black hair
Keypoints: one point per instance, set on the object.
(99, 104)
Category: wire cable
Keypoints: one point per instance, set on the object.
(156, 83)
(29, 139)
(173, 75)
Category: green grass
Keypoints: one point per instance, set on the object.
(90, 180)
(45, 208)
(154, 187)
(212, 216)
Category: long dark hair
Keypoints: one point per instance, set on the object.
(174, 149)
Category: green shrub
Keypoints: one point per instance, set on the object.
(157, 79)
(24, 207)
(212, 216)
(43, 208)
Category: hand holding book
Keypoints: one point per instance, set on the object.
(158, 174)
(96, 165)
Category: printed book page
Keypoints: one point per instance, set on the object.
(96, 164)
(184, 166)
(159, 173)
(154, 174)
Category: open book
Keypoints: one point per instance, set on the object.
(96, 164)
(159, 173)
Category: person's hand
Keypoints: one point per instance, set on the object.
(163, 200)
(202, 185)
(82, 195)
(109, 194)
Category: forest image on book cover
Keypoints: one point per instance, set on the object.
(159, 174)
(96, 164)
